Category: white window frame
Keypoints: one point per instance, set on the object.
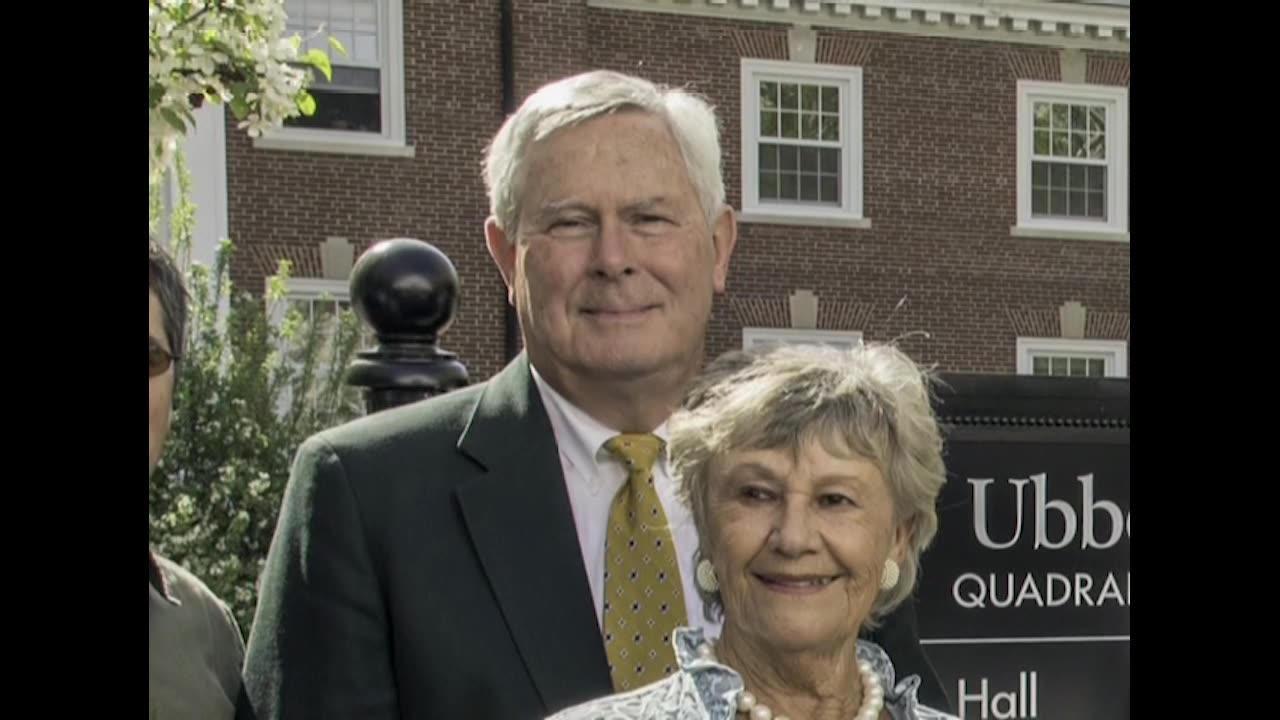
(849, 214)
(392, 141)
(304, 289)
(1114, 353)
(1116, 100)
(751, 336)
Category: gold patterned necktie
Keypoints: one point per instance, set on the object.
(643, 595)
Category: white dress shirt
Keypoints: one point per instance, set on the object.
(593, 475)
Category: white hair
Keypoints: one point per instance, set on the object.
(579, 98)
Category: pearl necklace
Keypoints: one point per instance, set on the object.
(872, 693)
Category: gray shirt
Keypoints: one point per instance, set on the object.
(196, 647)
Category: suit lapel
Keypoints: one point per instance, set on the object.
(521, 524)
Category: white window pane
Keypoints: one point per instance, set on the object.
(365, 50)
(830, 189)
(790, 96)
(809, 126)
(809, 188)
(769, 95)
(830, 99)
(1041, 115)
(366, 17)
(831, 128)
(790, 125)
(345, 37)
(768, 185)
(809, 98)
(768, 123)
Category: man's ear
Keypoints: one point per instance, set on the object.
(724, 236)
(503, 251)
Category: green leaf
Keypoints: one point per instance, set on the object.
(156, 94)
(172, 118)
(307, 104)
(319, 60)
(239, 107)
(337, 46)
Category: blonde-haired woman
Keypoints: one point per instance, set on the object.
(812, 475)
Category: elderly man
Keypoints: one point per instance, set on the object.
(195, 646)
(513, 548)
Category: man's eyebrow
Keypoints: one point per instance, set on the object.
(557, 206)
(648, 203)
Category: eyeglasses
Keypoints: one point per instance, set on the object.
(160, 359)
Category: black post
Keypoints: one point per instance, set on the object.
(506, 34)
(407, 291)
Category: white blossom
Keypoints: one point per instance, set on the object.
(207, 50)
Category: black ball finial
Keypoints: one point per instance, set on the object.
(405, 289)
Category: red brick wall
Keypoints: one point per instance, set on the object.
(453, 105)
(939, 174)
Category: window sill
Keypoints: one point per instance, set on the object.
(768, 218)
(379, 148)
(1068, 234)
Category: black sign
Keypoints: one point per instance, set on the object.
(1024, 595)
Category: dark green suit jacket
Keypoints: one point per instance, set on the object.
(426, 565)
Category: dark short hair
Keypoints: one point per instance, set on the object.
(166, 283)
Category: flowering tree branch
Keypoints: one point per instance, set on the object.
(225, 51)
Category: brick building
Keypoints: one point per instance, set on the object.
(952, 174)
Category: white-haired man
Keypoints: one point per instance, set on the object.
(516, 547)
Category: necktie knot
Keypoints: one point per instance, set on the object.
(638, 451)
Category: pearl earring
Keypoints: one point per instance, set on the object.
(706, 576)
(889, 578)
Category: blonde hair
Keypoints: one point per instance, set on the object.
(873, 399)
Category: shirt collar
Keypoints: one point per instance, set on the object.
(580, 436)
(156, 579)
(721, 685)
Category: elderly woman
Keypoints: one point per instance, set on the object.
(812, 475)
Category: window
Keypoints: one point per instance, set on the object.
(361, 109)
(754, 338)
(801, 143)
(317, 299)
(320, 304)
(1072, 358)
(320, 301)
(1072, 161)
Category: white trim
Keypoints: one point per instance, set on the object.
(1065, 234)
(1116, 100)
(849, 79)
(752, 336)
(1114, 353)
(392, 140)
(308, 288)
(1105, 28)
(329, 145)
(764, 218)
